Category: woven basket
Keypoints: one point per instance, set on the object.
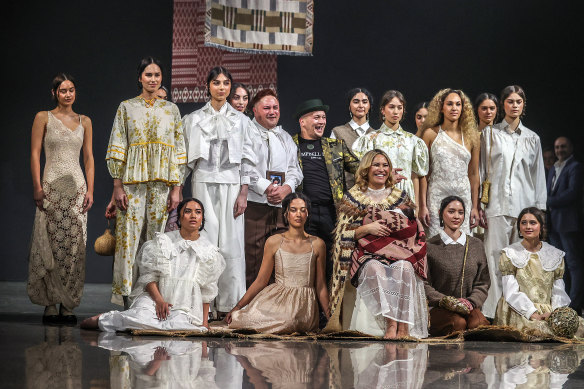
(106, 244)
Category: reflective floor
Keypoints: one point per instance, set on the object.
(37, 356)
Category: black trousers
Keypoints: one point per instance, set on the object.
(321, 222)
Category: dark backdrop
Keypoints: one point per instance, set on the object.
(415, 47)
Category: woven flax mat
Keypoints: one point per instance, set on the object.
(483, 333)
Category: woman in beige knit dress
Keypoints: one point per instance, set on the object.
(63, 197)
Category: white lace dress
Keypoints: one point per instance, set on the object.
(187, 273)
(448, 176)
(56, 268)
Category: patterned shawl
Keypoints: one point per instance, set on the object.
(351, 212)
(407, 241)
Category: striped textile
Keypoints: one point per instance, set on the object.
(260, 26)
(192, 61)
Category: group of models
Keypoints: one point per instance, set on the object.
(404, 186)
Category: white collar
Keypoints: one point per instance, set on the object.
(222, 111)
(559, 164)
(549, 256)
(264, 129)
(365, 126)
(448, 240)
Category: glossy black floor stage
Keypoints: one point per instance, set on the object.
(38, 356)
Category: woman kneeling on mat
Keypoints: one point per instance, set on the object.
(178, 278)
(458, 276)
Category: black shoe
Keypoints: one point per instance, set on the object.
(51, 319)
(68, 320)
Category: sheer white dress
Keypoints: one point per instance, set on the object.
(448, 176)
(186, 271)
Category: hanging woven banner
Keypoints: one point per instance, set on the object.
(192, 60)
(260, 26)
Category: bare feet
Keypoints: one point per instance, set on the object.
(90, 323)
(391, 329)
(402, 330)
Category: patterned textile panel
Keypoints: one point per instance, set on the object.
(261, 26)
(191, 60)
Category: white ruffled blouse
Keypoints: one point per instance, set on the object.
(550, 258)
(186, 271)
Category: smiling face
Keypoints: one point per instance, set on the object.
(191, 217)
(393, 112)
(452, 107)
(312, 125)
(219, 88)
(267, 112)
(65, 93)
(421, 117)
(151, 78)
(513, 106)
(297, 213)
(360, 106)
(453, 215)
(487, 112)
(563, 148)
(240, 99)
(379, 172)
(529, 227)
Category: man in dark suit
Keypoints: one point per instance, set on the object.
(564, 204)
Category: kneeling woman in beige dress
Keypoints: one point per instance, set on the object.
(533, 284)
(458, 276)
(290, 304)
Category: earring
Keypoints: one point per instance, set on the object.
(351, 114)
(382, 118)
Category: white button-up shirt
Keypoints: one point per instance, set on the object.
(558, 167)
(516, 170)
(219, 145)
(275, 151)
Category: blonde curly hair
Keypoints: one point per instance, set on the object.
(362, 174)
(466, 122)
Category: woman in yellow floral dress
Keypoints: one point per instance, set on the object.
(146, 158)
(533, 284)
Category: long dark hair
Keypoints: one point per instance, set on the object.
(186, 201)
(506, 92)
(444, 203)
(144, 62)
(57, 81)
(214, 73)
(288, 199)
(539, 215)
(479, 100)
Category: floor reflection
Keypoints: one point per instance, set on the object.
(146, 362)
(56, 362)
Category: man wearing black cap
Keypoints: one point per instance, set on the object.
(323, 162)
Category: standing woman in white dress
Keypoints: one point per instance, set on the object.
(63, 197)
(221, 157)
(517, 177)
(453, 141)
